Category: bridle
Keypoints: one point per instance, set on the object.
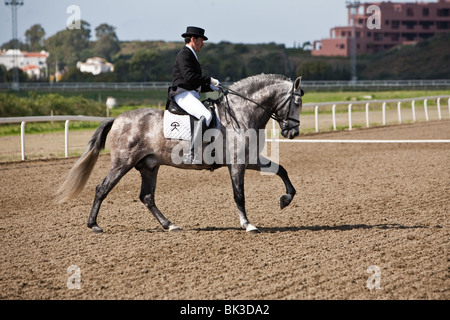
(284, 122)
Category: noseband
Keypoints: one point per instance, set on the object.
(284, 122)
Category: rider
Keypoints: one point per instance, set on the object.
(187, 83)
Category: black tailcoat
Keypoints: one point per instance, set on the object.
(187, 72)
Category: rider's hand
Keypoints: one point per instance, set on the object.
(214, 87)
(215, 82)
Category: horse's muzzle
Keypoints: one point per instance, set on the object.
(290, 134)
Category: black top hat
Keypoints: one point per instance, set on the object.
(194, 32)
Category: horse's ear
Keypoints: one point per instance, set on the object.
(297, 83)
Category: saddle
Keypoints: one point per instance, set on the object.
(177, 114)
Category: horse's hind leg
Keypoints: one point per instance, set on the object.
(271, 167)
(102, 190)
(147, 196)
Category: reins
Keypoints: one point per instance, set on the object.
(271, 114)
(228, 90)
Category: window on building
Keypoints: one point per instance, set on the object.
(425, 12)
(386, 22)
(342, 46)
(409, 36)
(443, 25)
(425, 35)
(410, 12)
(426, 24)
(395, 24)
(409, 24)
(377, 36)
(443, 12)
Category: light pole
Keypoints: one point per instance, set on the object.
(353, 10)
(14, 6)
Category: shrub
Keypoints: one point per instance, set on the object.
(43, 104)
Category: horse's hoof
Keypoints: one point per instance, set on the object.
(251, 229)
(174, 228)
(97, 229)
(285, 200)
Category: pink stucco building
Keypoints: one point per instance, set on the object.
(399, 23)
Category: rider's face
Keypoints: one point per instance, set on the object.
(197, 44)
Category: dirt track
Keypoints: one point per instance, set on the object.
(358, 205)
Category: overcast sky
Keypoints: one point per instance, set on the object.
(237, 21)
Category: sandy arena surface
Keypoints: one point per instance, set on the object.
(357, 206)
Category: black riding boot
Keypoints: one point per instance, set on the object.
(195, 151)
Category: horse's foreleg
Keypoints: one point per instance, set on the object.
(268, 166)
(237, 174)
(147, 196)
(101, 192)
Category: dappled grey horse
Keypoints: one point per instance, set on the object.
(137, 141)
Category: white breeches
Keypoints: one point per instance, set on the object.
(190, 102)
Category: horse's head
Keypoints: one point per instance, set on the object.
(288, 114)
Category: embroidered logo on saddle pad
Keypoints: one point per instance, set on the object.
(177, 126)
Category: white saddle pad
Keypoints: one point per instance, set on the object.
(177, 126)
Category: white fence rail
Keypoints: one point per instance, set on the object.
(67, 119)
(368, 103)
(316, 106)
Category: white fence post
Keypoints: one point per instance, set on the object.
(439, 108)
(399, 111)
(22, 139)
(425, 107)
(316, 117)
(367, 115)
(413, 109)
(384, 113)
(333, 110)
(449, 106)
(350, 116)
(66, 138)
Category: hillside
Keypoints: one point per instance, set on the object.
(428, 59)
(141, 61)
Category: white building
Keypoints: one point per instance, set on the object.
(33, 63)
(95, 66)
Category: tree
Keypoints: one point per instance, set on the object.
(34, 38)
(66, 46)
(3, 72)
(144, 66)
(107, 43)
(122, 70)
(11, 44)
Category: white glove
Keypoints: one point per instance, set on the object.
(215, 82)
(214, 87)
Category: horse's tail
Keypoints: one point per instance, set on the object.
(80, 172)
